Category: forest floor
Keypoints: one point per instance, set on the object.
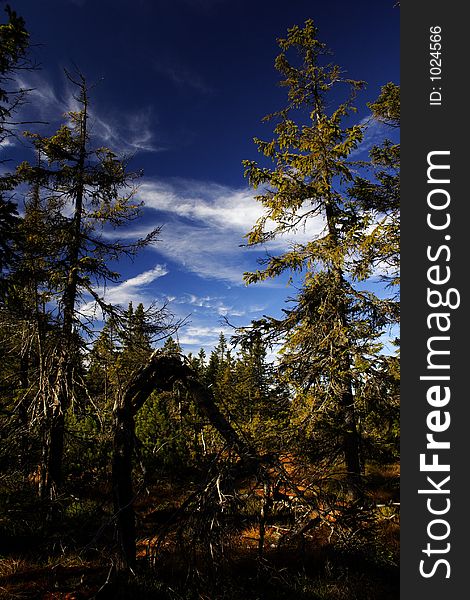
(69, 557)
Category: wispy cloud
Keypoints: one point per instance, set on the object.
(194, 337)
(6, 143)
(43, 102)
(134, 289)
(219, 205)
(206, 224)
(374, 133)
(213, 304)
(124, 132)
(203, 336)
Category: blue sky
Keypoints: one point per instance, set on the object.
(182, 85)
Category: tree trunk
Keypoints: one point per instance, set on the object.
(61, 391)
(53, 444)
(351, 448)
(51, 468)
(123, 494)
(350, 439)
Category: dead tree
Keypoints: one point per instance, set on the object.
(160, 373)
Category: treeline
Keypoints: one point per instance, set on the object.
(82, 405)
(262, 406)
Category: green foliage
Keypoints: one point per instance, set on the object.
(70, 173)
(172, 432)
(62, 261)
(310, 157)
(136, 341)
(380, 411)
(103, 358)
(260, 402)
(167, 429)
(386, 108)
(330, 337)
(88, 447)
(379, 195)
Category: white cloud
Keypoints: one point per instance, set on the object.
(131, 290)
(42, 100)
(210, 304)
(6, 143)
(143, 278)
(206, 224)
(219, 205)
(257, 308)
(205, 336)
(125, 133)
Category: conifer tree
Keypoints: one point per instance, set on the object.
(14, 43)
(103, 367)
(201, 359)
(261, 403)
(136, 338)
(216, 361)
(171, 346)
(331, 334)
(86, 189)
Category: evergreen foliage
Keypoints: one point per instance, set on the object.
(77, 191)
(331, 335)
(14, 44)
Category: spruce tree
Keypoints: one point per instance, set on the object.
(171, 346)
(136, 340)
(261, 403)
(331, 334)
(86, 189)
(102, 378)
(216, 362)
(14, 44)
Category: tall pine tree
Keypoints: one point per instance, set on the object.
(85, 189)
(331, 334)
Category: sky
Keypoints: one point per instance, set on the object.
(182, 86)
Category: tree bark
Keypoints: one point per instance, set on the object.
(51, 475)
